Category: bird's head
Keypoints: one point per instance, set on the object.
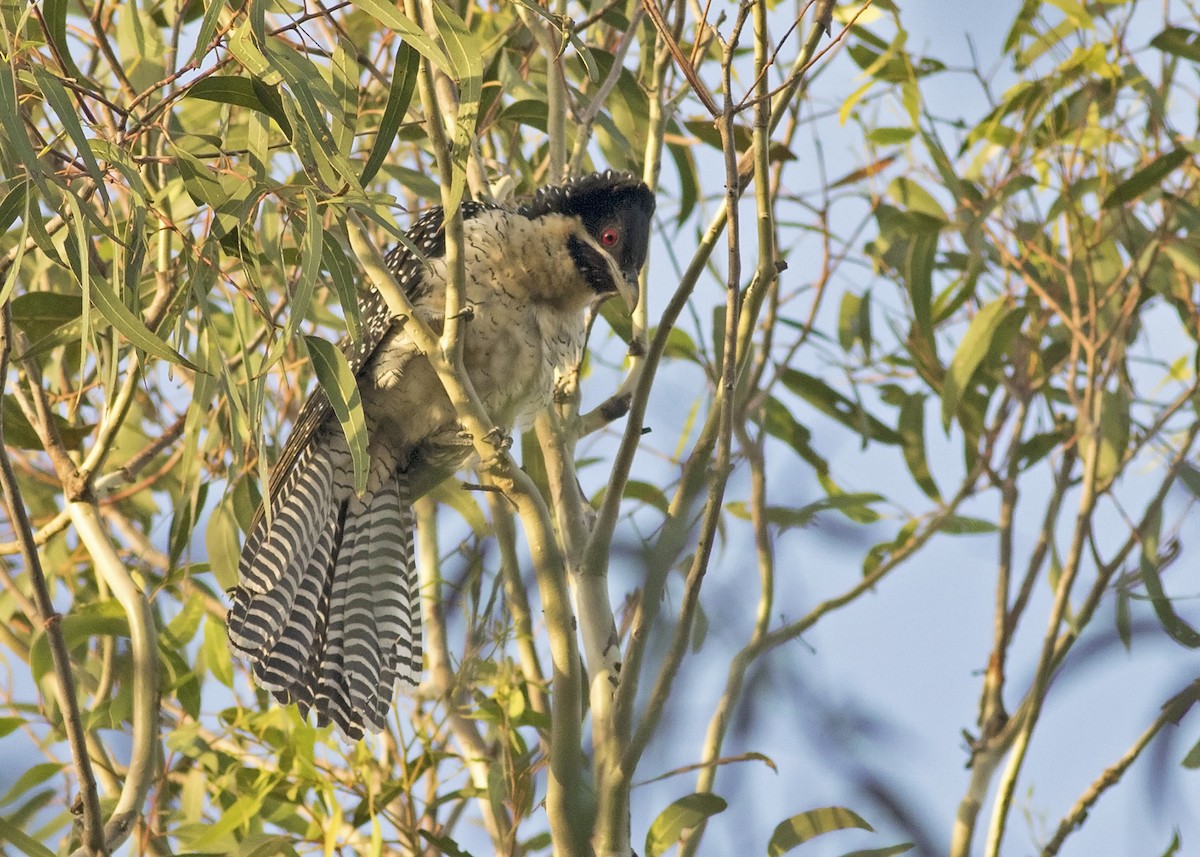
(614, 209)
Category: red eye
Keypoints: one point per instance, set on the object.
(609, 236)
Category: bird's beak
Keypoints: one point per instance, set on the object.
(627, 288)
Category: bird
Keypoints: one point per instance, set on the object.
(327, 604)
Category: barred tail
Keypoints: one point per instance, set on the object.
(327, 608)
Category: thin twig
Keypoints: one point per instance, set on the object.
(93, 820)
(1171, 713)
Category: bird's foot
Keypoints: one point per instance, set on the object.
(500, 439)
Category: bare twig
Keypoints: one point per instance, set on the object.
(1172, 712)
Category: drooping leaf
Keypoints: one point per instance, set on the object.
(65, 109)
(32, 776)
(1149, 176)
(890, 851)
(911, 425)
(207, 29)
(133, 328)
(976, 343)
(466, 61)
(13, 204)
(341, 388)
(29, 846)
(404, 81)
(682, 815)
(333, 260)
(961, 525)
(806, 825)
(312, 243)
(239, 92)
(1180, 42)
(1179, 630)
(839, 407)
(388, 15)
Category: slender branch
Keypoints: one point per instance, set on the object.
(518, 602)
(144, 752)
(1045, 666)
(478, 756)
(724, 405)
(1171, 714)
(68, 702)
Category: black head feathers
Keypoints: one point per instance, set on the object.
(615, 208)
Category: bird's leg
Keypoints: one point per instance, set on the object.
(500, 439)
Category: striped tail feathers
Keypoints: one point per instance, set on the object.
(289, 667)
(374, 633)
(270, 572)
(397, 593)
(328, 607)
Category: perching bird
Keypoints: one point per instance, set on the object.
(327, 607)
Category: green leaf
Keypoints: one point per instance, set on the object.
(312, 244)
(96, 619)
(13, 204)
(404, 81)
(38, 314)
(882, 852)
(856, 507)
(890, 136)
(54, 12)
(779, 423)
(970, 353)
(341, 388)
(120, 317)
(208, 28)
(911, 425)
(1178, 41)
(13, 130)
(239, 92)
(1189, 475)
(914, 198)
(854, 322)
(800, 828)
(313, 100)
(1114, 435)
(67, 113)
(1149, 176)
(648, 493)
(918, 275)
(466, 58)
(1179, 630)
(222, 543)
(833, 404)
(1192, 759)
(216, 652)
(444, 844)
(33, 776)
(388, 15)
(682, 815)
(12, 834)
(333, 259)
(961, 525)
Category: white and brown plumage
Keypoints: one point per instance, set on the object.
(327, 606)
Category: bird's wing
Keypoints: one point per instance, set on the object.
(428, 236)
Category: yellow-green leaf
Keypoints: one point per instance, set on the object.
(683, 814)
(800, 828)
(341, 388)
(970, 353)
(1149, 176)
